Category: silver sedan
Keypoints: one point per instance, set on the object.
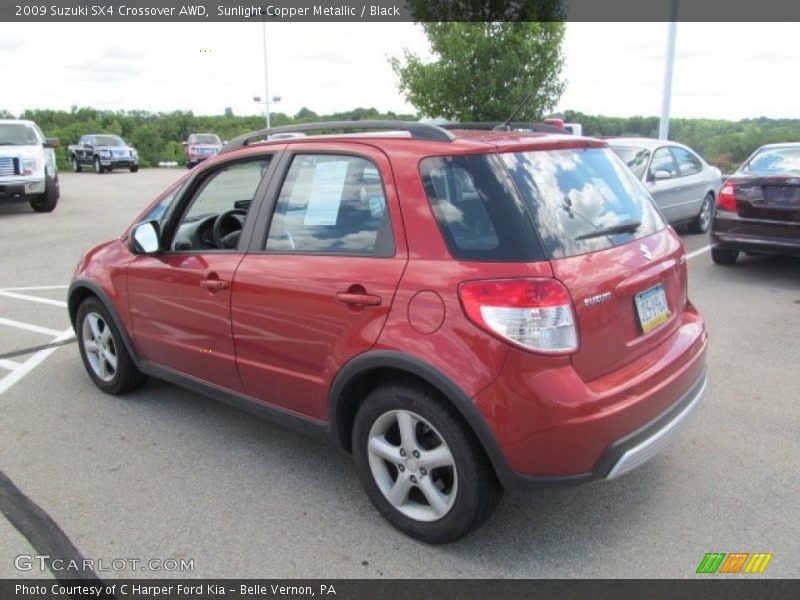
(682, 184)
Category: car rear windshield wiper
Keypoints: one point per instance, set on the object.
(625, 226)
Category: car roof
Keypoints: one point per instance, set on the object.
(465, 142)
(17, 121)
(782, 145)
(641, 142)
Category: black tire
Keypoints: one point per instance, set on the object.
(702, 222)
(47, 201)
(98, 168)
(126, 376)
(134, 168)
(722, 256)
(189, 164)
(477, 491)
(73, 162)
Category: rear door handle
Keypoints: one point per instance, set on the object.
(213, 285)
(358, 299)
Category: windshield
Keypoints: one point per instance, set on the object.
(204, 138)
(583, 200)
(108, 140)
(17, 134)
(636, 158)
(776, 160)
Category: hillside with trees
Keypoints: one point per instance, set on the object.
(158, 136)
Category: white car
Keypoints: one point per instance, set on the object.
(683, 185)
(28, 165)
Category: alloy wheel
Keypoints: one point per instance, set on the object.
(412, 465)
(99, 346)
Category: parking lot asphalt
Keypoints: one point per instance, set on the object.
(166, 474)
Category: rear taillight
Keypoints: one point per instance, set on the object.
(726, 200)
(533, 313)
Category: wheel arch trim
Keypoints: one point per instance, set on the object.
(382, 359)
(96, 290)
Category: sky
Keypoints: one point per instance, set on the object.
(722, 70)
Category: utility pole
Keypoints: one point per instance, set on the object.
(663, 130)
(266, 71)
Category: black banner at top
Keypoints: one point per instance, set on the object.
(138, 11)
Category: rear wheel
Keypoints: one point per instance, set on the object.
(722, 256)
(103, 352)
(98, 168)
(134, 168)
(420, 465)
(702, 222)
(47, 201)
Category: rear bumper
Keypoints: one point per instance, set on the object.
(640, 446)
(732, 232)
(552, 427)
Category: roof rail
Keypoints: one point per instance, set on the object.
(421, 131)
(499, 126)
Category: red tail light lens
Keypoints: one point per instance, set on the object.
(533, 313)
(726, 200)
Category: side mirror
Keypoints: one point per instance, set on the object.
(145, 238)
(88, 146)
(51, 143)
(661, 174)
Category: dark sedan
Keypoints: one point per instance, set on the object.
(758, 208)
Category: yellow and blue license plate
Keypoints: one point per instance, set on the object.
(652, 308)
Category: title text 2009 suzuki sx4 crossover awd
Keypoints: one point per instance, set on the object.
(463, 310)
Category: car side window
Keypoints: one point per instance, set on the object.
(688, 163)
(663, 161)
(215, 215)
(332, 204)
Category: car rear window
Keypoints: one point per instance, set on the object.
(575, 193)
(775, 159)
(636, 158)
(480, 214)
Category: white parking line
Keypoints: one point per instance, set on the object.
(33, 362)
(19, 369)
(37, 287)
(8, 364)
(60, 303)
(698, 252)
(29, 327)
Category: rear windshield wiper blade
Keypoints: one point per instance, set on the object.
(625, 226)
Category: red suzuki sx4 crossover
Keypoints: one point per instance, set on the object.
(462, 309)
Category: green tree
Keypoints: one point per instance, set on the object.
(484, 71)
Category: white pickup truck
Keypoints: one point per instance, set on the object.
(28, 165)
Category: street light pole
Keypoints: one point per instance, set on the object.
(663, 130)
(266, 72)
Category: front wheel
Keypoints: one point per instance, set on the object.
(74, 164)
(134, 168)
(421, 466)
(702, 221)
(47, 201)
(98, 168)
(103, 352)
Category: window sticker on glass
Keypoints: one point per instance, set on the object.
(377, 204)
(326, 193)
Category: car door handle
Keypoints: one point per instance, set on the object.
(212, 285)
(358, 299)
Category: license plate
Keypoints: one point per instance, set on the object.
(652, 308)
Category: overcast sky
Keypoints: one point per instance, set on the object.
(725, 70)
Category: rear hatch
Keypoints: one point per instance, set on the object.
(608, 244)
(768, 197)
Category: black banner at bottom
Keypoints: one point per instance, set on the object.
(395, 589)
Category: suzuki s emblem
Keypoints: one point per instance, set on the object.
(646, 252)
